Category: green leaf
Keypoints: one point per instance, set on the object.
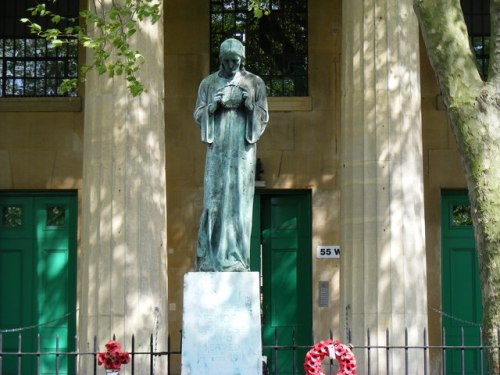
(57, 43)
(35, 28)
(68, 85)
(117, 42)
(136, 88)
(84, 69)
(52, 33)
(113, 14)
(101, 70)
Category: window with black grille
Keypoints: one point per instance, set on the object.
(275, 44)
(30, 66)
(477, 19)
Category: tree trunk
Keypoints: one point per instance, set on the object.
(473, 108)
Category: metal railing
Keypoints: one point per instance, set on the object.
(56, 357)
(454, 357)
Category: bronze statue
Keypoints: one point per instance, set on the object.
(231, 111)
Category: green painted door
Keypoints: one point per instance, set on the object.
(38, 277)
(281, 249)
(461, 290)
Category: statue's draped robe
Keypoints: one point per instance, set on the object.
(230, 134)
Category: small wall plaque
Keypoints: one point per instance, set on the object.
(324, 251)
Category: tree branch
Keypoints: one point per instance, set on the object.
(445, 36)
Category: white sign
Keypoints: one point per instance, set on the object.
(328, 251)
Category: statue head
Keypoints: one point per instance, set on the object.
(232, 46)
(232, 57)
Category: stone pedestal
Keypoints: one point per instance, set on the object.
(221, 324)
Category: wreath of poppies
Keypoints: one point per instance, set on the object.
(330, 348)
(113, 358)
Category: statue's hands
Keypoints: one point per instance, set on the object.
(248, 100)
(217, 99)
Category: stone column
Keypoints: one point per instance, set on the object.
(122, 264)
(383, 267)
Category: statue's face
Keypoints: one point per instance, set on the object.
(230, 63)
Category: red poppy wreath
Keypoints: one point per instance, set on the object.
(330, 348)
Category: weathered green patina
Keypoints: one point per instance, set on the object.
(231, 110)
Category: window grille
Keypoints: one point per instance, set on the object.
(275, 44)
(30, 66)
(477, 19)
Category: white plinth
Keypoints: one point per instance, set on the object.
(221, 324)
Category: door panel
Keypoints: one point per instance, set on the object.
(284, 222)
(16, 300)
(41, 228)
(461, 290)
(16, 219)
(283, 287)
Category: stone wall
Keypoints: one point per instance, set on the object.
(41, 144)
